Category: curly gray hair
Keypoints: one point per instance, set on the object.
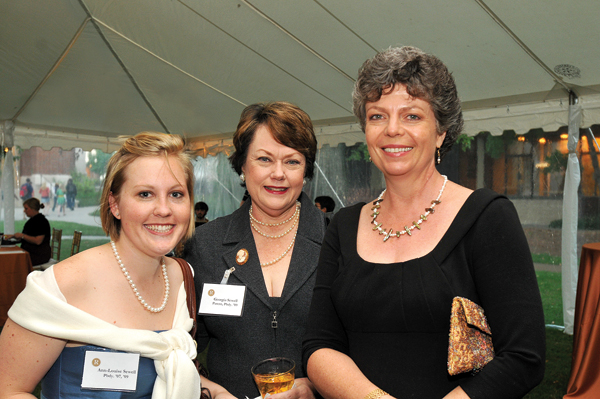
(424, 76)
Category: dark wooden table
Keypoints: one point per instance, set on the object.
(15, 265)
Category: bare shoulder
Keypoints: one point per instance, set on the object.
(175, 272)
(77, 273)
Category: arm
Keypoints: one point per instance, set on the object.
(502, 269)
(216, 390)
(325, 345)
(37, 240)
(21, 349)
(337, 376)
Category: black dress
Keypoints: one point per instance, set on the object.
(36, 226)
(393, 320)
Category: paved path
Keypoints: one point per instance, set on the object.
(547, 267)
(78, 215)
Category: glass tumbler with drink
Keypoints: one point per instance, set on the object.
(274, 375)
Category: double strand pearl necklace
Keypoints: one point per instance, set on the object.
(407, 229)
(274, 224)
(134, 288)
(297, 215)
(283, 254)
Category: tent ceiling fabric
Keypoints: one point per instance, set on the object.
(80, 73)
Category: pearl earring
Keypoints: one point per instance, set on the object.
(439, 158)
(243, 177)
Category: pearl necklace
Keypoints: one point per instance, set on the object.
(134, 288)
(283, 254)
(279, 235)
(275, 224)
(296, 215)
(407, 229)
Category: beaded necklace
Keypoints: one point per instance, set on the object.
(134, 288)
(407, 229)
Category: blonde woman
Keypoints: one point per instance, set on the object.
(120, 306)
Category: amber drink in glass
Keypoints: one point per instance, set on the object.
(274, 375)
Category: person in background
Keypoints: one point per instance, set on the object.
(60, 200)
(182, 248)
(35, 237)
(380, 318)
(26, 190)
(71, 193)
(326, 205)
(270, 246)
(45, 195)
(54, 196)
(245, 197)
(115, 299)
(200, 209)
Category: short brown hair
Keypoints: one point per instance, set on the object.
(289, 125)
(425, 77)
(145, 144)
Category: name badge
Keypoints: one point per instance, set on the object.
(222, 300)
(110, 371)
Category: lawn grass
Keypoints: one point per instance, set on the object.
(559, 346)
(551, 291)
(67, 227)
(546, 259)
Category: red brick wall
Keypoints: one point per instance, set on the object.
(56, 161)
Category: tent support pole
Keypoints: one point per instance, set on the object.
(570, 216)
(8, 177)
(329, 184)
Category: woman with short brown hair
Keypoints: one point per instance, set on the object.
(270, 246)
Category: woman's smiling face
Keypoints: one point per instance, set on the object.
(401, 133)
(153, 205)
(274, 173)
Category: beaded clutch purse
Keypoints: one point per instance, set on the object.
(470, 344)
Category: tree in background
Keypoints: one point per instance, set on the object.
(97, 162)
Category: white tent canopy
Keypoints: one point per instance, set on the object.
(78, 73)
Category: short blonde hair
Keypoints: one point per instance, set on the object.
(143, 144)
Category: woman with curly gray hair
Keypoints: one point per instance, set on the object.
(391, 270)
